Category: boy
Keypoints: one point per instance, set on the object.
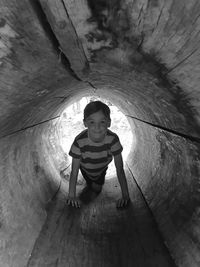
(92, 151)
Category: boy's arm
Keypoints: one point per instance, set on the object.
(72, 184)
(122, 181)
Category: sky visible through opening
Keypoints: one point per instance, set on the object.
(71, 124)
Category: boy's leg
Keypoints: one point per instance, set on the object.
(98, 184)
(95, 185)
(87, 179)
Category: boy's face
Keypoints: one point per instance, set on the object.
(97, 125)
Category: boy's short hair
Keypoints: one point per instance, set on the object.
(96, 106)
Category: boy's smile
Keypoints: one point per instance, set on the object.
(97, 125)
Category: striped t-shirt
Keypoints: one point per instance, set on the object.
(95, 157)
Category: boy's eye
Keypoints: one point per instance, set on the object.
(101, 122)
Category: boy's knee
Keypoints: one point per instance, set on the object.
(96, 187)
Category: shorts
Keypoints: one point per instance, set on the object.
(99, 181)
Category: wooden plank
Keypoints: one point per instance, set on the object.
(65, 32)
(98, 234)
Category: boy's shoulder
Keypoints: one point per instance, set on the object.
(110, 133)
(112, 137)
(82, 135)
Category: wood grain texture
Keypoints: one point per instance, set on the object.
(98, 234)
(65, 32)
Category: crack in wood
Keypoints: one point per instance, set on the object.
(178, 64)
(139, 16)
(148, 208)
(166, 42)
(28, 127)
(189, 137)
(78, 42)
(63, 98)
(140, 190)
(161, 12)
(195, 20)
(37, 7)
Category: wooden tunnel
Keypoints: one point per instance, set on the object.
(143, 56)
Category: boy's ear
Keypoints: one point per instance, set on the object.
(85, 123)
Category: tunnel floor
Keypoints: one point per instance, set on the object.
(98, 234)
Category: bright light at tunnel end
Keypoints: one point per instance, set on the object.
(71, 124)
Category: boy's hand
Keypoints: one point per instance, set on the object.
(123, 202)
(74, 202)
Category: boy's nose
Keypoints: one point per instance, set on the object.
(97, 126)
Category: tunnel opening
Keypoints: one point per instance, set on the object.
(70, 125)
